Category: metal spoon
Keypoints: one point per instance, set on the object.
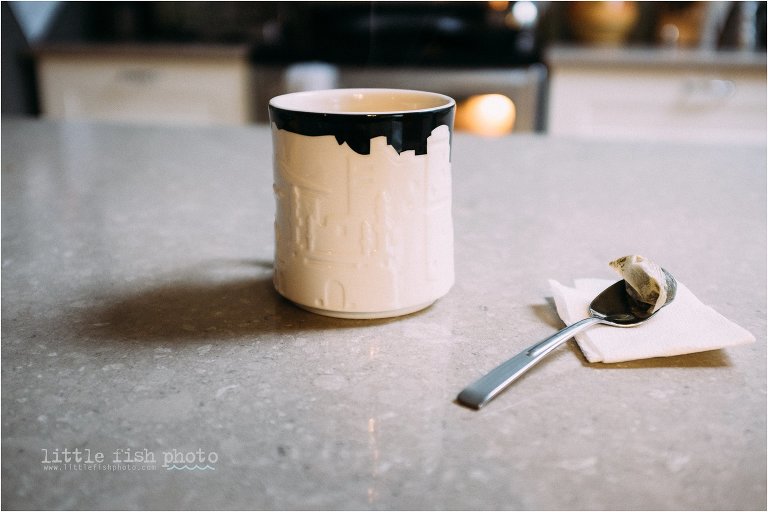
(613, 307)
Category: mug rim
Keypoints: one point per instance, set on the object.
(276, 101)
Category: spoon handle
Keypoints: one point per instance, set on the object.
(494, 382)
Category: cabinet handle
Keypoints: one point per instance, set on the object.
(712, 89)
(138, 76)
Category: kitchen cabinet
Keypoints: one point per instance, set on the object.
(658, 94)
(167, 84)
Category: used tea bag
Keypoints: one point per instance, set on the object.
(649, 286)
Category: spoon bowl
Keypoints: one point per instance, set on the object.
(613, 306)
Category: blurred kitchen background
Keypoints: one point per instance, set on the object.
(658, 70)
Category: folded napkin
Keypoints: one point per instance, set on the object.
(684, 326)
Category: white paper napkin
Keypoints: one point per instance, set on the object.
(683, 327)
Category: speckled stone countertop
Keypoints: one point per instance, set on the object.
(138, 315)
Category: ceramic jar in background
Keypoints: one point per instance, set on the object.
(603, 23)
(362, 181)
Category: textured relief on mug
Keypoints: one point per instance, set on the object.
(363, 227)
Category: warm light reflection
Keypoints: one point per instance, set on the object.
(497, 5)
(374, 447)
(486, 114)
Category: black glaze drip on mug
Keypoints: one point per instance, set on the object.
(404, 132)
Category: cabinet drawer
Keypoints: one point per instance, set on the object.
(147, 89)
(672, 105)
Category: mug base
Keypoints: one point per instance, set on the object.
(357, 315)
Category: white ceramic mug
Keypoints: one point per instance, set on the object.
(363, 225)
